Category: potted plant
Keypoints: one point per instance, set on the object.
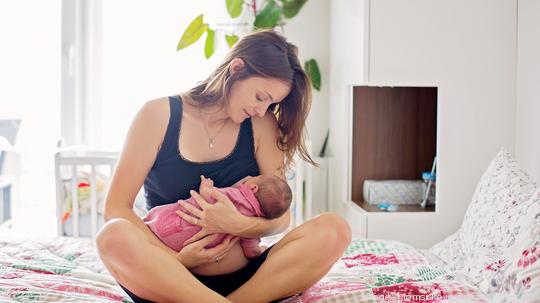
(270, 14)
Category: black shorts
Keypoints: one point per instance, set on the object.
(222, 284)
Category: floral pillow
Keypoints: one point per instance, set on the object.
(449, 250)
(515, 277)
(499, 202)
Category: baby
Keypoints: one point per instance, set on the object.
(261, 196)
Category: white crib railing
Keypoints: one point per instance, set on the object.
(311, 189)
(73, 160)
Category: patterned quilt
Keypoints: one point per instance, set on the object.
(377, 271)
(69, 270)
(55, 270)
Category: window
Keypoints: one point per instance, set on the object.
(30, 75)
(139, 61)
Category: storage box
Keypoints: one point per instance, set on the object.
(393, 191)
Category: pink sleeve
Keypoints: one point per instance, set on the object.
(240, 202)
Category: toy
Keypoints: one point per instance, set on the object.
(386, 206)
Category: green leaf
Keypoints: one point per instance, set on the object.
(231, 39)
(312, 70)
(193, 32)
(292, 7)
(209, 45)
(269, 15)
(234, 7)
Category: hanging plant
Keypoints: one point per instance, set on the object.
(273, 14)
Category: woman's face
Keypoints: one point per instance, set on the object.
(252, 97)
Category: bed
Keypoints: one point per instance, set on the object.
(68, 269)
(493, 257)
(63, 269)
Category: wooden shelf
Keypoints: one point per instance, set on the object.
(394, 135)
(401, 208)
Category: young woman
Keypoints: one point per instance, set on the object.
(247, 118)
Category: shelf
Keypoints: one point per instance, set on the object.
(402, 208)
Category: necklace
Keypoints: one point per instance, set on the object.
(211, 140)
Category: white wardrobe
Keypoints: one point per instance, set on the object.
(470, 51)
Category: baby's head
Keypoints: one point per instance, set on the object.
(273, 193)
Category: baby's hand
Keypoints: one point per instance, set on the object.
(206, 182)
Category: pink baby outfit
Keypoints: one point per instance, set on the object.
(172, 230)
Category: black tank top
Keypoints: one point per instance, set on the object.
(172, 176)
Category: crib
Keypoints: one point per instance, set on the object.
(79, 173)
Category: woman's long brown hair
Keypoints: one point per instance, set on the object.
(266, 53)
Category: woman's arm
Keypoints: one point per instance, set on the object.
(140, 149)
(257, 227)
(223, 217)
(270, 161)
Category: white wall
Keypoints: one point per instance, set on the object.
(528, 96)
(140, 61)
(30, 79)
(347, 66)
(30, 90)
(467, 49)
(309, 30)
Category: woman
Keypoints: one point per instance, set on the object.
(247, 118)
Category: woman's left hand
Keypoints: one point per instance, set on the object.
(221, 217)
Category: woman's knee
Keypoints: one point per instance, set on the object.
(333, 230)
(114, 237)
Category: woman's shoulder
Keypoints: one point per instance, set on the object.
(264, 125)
(156, 106)
(152, 118)
(265, 128)
(155, 110)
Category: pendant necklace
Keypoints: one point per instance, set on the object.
(211, 140)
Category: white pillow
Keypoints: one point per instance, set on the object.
(498, 203)
(449, 250)
(515, 276)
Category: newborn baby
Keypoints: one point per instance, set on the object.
(261, 196)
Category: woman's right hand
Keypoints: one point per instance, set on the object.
(194, 254)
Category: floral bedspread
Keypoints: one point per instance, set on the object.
(55, 270)
(69, 270)
(377, 271)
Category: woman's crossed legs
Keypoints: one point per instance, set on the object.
(296, 262)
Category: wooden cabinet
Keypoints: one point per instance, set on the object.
(394, 135)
